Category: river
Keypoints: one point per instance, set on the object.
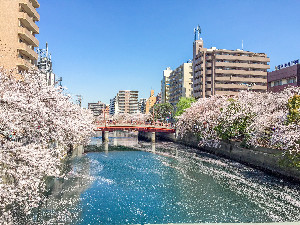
(130, 182)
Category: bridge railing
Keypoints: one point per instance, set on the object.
(108, 123)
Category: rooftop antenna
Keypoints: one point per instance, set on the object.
(46, 49)
(197, 32)
(242, 45)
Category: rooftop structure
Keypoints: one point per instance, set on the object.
(45, 65)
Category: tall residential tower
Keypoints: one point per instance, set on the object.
(226, 72)
(17, 37)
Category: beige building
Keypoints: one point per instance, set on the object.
(181, 83)
(18, 30)
(150, 101)
(165, 84)
(226, 72)
(125, 102)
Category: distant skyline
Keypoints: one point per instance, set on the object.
(100, 47)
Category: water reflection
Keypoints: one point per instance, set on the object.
(153, 147)
(124, 181)
(176, 185)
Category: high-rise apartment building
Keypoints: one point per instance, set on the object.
(17, 37)
(165, 84)
(125, 102)
(285, 75)
(226, 72)
(150, 101)
(181, 82)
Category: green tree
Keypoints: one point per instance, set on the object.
(162, 111)
(294, 109)
(183, 104)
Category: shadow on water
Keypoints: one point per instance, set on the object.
(62, 205)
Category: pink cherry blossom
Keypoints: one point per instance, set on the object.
(38, 124)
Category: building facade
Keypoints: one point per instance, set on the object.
(125, 102)
(158, 98)
(181, 83)
(226, 72)
(150, 101)
(142, 105)
(165, 84)
(112, 106)
(283, 77)
(97, 108)
(18, 37)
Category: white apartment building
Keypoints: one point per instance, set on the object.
(181, 82)
(165, 84)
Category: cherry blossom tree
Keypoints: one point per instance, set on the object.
(38, 124)
(257, 119)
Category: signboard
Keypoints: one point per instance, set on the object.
(291, 63)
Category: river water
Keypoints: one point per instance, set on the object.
(131, 182)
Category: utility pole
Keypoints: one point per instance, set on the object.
(104, 117)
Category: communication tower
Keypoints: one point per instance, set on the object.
(45, 65)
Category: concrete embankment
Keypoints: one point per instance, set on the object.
(268, 160)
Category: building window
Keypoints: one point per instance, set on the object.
(291, 80)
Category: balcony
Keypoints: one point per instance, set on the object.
(26, 50)
(35, 4)
(243, 65)
(29, 9)
(241, 79)
(24, 64)
(28, 37)
(243, 72)
(243, 58)
(240, 87)
(28, 22)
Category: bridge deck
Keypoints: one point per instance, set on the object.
(135, 127)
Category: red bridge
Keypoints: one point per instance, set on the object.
(134, 126)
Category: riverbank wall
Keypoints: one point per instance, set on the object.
(268, 160)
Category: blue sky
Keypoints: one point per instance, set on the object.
(102, 46)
